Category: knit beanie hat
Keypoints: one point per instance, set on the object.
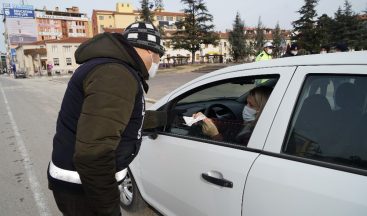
(145, 36)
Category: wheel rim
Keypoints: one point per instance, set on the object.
(126, 191)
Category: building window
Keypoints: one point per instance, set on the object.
(101, 17)
(101, 29)
(68, 61)
(54, 49)
(67, 48)
(160, 18)
(169, 18)
(178, 18)
(56, 62)
(70, 30)
(110, 17)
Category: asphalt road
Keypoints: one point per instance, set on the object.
(28, 112)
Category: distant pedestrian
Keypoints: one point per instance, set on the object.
(341, 47)
(292, 51)
(99, 126)
(267, 52)
(324, 49)
(14, 69)
(49, 69)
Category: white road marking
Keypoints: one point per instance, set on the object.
(32, 178)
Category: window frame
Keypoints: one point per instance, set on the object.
(68, 61)
(294, 114)
(257, 140)
(56, 60)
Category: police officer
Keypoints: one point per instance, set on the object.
(266, 54)
(99, 125)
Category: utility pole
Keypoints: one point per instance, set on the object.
(7, 42)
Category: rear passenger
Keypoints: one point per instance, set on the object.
(349, 102)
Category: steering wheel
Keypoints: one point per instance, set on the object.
(219, 111)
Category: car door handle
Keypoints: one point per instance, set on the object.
(216, 178)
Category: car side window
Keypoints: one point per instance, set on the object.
(329, 122)
(223, 104)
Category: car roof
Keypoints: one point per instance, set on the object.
(341, 58)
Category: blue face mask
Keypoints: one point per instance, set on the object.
(248, 114)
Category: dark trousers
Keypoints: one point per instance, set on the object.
(73, 204)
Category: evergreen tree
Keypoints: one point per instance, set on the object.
(351, 26)
(259, 37)
(277, 41)
(346, 28)
(146, 14)
(159, 5)
(305, 27)
(195, 29)
(237, 40)
(338, 26)
(325, 30)
(363, 33)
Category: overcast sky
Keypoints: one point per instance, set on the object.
(224, 12)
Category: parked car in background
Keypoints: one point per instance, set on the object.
(20, 74)
(307, 154)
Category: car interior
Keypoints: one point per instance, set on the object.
(222, 101)
(329, 123)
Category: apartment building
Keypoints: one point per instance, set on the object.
(55, 57)
(56, 24)
(125, 14)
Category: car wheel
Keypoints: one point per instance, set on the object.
(130, 197)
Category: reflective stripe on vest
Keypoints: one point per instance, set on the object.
(73, 176)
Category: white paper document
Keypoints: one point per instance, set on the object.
(191, 120)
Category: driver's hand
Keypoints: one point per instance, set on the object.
(209, 128)
(195, 115)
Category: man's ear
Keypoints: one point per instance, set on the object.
(154, 119)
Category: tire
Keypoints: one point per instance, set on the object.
(130, 197)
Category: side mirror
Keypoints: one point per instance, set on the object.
(154, 119)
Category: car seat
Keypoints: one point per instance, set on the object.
(310, 133)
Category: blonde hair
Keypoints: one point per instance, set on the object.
(261, 95)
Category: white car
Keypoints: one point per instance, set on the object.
(307, 154)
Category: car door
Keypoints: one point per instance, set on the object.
(315, 157)
(181, 174)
